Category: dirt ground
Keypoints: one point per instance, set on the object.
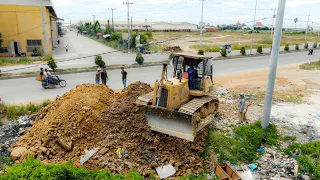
(296, 100)
(186, 39)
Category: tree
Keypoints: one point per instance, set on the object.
(139, 59)
(297, 47)
(201, 52)
(259, 49)
(286, 47)
(51, 63)
(315, 45)
(224, 52)
(243, 51)
(306, 45)
(99, 62)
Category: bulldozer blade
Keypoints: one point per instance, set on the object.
(172, 123)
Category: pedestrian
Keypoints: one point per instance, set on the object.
(41, 74)
(98, 76)
(77, 33)
(58, 41)
(104, 76)
(241, 106)
(124, 77)
(67, 49)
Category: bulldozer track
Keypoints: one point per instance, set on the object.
(196, 104)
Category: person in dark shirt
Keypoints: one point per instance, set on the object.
(42, 74)
(104, 76)
(124, 77)
(98, 76)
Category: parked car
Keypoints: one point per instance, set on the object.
(228, 47)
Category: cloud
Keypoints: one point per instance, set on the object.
(295, 3)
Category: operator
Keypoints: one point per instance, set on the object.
(241, 106)
(191, 72)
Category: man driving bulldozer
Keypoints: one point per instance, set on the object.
(191, 72)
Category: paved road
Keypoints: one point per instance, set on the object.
(80, 47)
(28, 89)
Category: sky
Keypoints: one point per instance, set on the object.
(215, 11)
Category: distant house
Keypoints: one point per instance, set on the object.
(153, 26)
(259, 24)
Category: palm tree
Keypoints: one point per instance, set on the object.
(295, 23)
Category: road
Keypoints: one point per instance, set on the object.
(80, 47)
(28, 89)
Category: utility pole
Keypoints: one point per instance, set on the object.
(201, 24)
(254, 23)
(44, 31)
(307, 30)
(131, 24)
(128, 5)
(112, 9)
(274, 63)
(274, 16)
(146, 24)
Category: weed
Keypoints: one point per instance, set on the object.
(286, 47)
(266, 40)
(201, 52)
(312, 66)
(4, 162)
(243, 51)
(243, 147)
(8, 62)
(297, 47)
(259, 49)
(224, 52)
(289, 138)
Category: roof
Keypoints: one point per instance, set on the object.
(46, 3)
(195, 56)
(259, 24)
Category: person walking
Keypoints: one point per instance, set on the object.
(241, 106)
(58, 42)
(104, 76)
(124, 77)
(98, 76)
(67, 50)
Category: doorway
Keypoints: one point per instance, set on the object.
(15, 48)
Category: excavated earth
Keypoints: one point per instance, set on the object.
(93, 116)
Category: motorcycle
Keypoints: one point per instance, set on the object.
(54, 83)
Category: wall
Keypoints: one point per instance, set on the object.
(186, 26)
(22, 23)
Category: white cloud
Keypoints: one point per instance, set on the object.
(302, 2)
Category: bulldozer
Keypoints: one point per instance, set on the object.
(183, 104)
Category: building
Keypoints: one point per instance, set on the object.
(21, 26)
(152, 26)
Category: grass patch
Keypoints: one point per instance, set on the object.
(10, 62)
(13, 112)
(5, 161)
(243, 147)
(312, 66)
(309, 158)
(289, 138)
(235, 47)
(157, 47)
(34, 169)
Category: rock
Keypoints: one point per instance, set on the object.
(103, 151)
(66, 145)
(23, 132)
(43, 149)
(33, 149)
(18, 152)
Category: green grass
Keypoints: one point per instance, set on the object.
(10, 62)
(13, 112)
(309, 158)
(242, 148)
(216, 48)
(34, 169)
(312, 66)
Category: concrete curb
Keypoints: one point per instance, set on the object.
(81, 71)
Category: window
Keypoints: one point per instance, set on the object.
(34, 44)
(4, 50)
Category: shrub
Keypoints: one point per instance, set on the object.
(266, 40)
(259, 49)
(171, 56)
(139, 58)
(286, 47)
(52, 64)
(297, 47)
(224, 52)
(315, 45)
(201, 52)
(243, 51)
(306, 45)
(116, 36)
(99, 62)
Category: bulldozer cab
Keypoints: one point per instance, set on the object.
(202, 80)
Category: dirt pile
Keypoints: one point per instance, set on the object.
(92, 116)
(173, 49)
(68, 124)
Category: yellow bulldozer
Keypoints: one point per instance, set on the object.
(182, 105)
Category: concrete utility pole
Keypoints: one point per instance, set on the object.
(274, 63)
(44, 30)
(274, 16)
(201, 24)
(131, 24)
(128, 5)
(112, 9)
(307, 30)
(254, 23)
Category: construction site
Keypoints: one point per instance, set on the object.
(152, 128)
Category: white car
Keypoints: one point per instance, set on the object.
(228, 47)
